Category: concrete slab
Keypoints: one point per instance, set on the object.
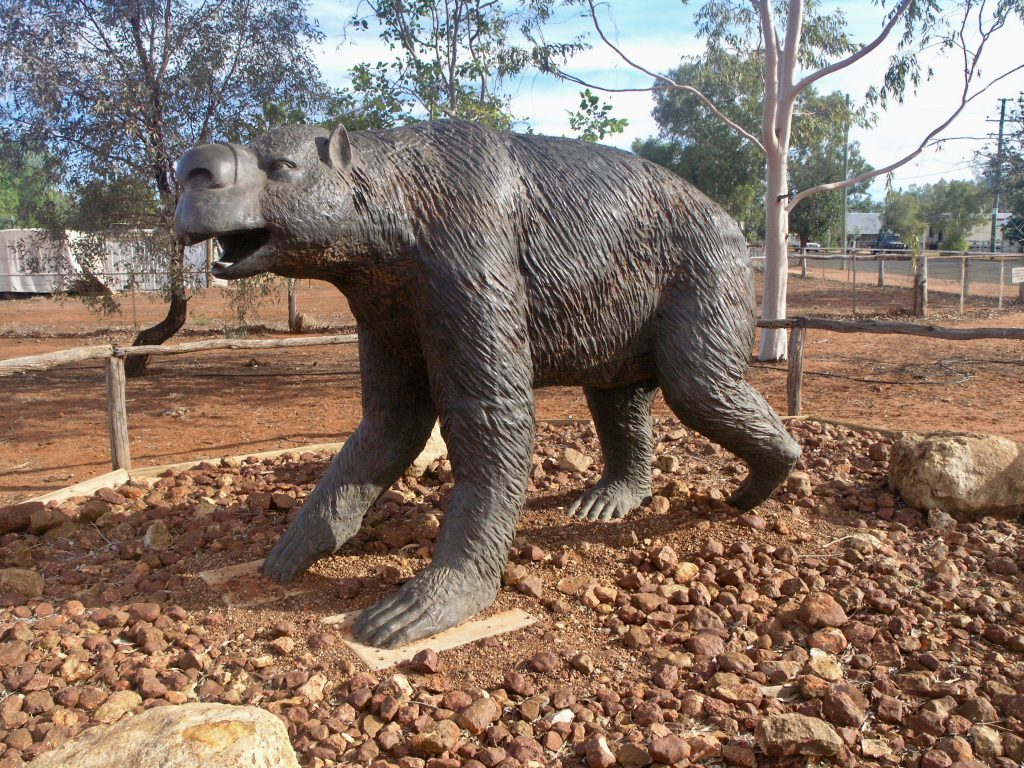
(242, 586)
(468, 632)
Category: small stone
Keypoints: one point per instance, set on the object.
(574, 461)
(519, 684)
(660, 505)
(479, 715)
(282, 645)
(15, 518)
(845, 705)
(685, 573)
(706, 644)
(440, 738)
(24, 581)
(821, 610)
(829, 639)
(790, 734)
(939, 520)
(582, 663)
(425, 661)
(633, 756)
(740, 755)
(669, 749)
(664, 558)
(143, 612)
(635, 638)
(752, 521)
(667, 464)
(117, 706)
(157, 536)
(597, 754)
(824, 666)
(800, 484)
(986, 741)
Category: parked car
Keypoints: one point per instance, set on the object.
(812, 246)
(888, 243)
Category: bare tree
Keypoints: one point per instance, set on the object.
(798, 46)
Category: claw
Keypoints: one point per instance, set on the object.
(608, 500)
(435, 600)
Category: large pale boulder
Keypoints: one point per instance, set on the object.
(967, 476)
(185, 736)
(434, 449)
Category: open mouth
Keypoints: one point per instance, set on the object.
(236, 247)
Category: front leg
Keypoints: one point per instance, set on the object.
(481, 376)
(398, 414)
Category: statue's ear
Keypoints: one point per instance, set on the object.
(339, 150)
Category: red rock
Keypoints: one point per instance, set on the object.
(706, 644)
(15, 518)
(633, 756)
(669, 749)
(143, 612)
(739, 754)
(821, 610)
(479, 715)
(597, 754)
(425, 662)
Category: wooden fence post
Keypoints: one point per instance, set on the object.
(921, 286)
(881, 271)
(963, 281)
(117, 414)
(803, 266)
(1002, 277)
(794, 378)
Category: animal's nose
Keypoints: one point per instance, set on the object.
(208, 166)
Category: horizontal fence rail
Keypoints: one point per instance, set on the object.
(800, 325)
(115, 355)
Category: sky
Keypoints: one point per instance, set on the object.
(657, 33)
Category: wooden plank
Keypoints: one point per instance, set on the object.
(53, 359)
(243, 586)
(468, 632)
(87, 487)
(880, 326)
(117, 415)
(795, 374)
(205, 346)
(182, 466)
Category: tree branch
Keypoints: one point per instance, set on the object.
(667, 83)
(854, 57)
(928, 140)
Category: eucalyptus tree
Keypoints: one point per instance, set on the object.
(452, 58)
(797, 44)
(117, 90)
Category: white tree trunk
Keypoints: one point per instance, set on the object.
(776, 263)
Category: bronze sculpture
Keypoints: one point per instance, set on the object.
(478, 266)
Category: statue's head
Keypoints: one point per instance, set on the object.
(280, 205)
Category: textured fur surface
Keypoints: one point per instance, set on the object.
(478, 266)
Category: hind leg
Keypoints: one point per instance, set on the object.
(701, 354)
(623, 420)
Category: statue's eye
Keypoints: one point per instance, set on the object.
(282, 165)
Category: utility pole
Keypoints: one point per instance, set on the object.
(846, 171)
(846, 175)
(999, 174)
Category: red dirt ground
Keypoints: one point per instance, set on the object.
(53, 426)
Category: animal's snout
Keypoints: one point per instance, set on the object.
(209, 166)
